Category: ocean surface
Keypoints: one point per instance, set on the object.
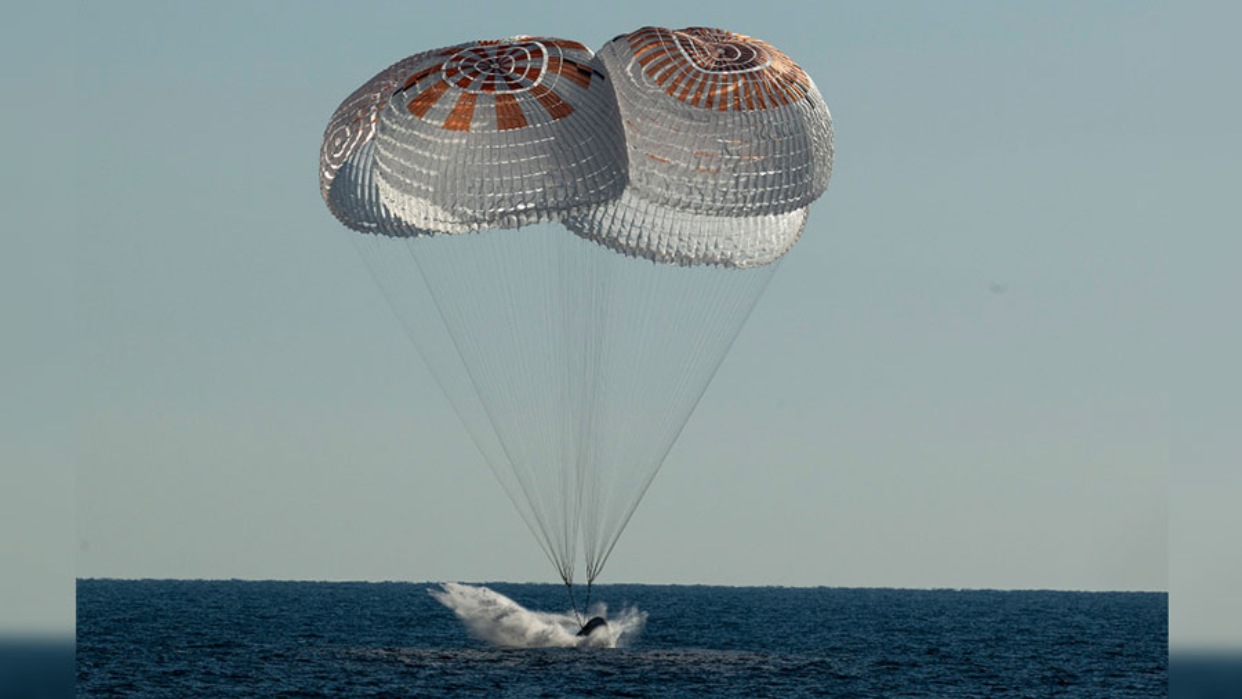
(170, 638)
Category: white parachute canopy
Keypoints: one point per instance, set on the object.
(683, 162)
(728, 143)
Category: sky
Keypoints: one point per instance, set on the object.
(1008, 325)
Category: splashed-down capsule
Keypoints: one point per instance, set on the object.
(589, 627)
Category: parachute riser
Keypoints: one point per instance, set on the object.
(569, 587)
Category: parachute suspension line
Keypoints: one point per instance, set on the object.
(572, 368)
(486, 297)
(518, 305)
(426, 318)
(569, 587)
(670, 329)
(593, 424)
(738, 307)
(579, 294)
(566, 312)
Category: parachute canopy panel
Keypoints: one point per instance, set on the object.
(347, 156)
(728, 142)
(499, 134)
(719, 123)
(638, 227)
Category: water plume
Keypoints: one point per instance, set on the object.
(492, 617)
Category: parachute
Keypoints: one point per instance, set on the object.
(573, 241)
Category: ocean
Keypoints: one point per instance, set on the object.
(190, 638)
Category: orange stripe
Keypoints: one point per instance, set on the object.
(791, 91)
(757, 86)
(509, 113)
(730, 94)
(557, 108)
(706, 94)
(677, 81)
(463, 112)
(747, 88)
(780, 87)
(648, 53)
(644, 36)
(420, 75)
(688, 92)
(798, 87)
(643, 42)
(577, 73)
(420, 104)
(655, 70)
(775, 98)
(761, 89)
(564, 44)
(713, 91)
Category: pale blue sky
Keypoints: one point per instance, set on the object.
(248, 407)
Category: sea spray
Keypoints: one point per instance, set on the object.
(492, 617)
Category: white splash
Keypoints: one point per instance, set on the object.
(492, 617)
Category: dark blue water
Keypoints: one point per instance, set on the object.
(296, 639)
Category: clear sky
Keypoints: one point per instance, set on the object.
(959, 377)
